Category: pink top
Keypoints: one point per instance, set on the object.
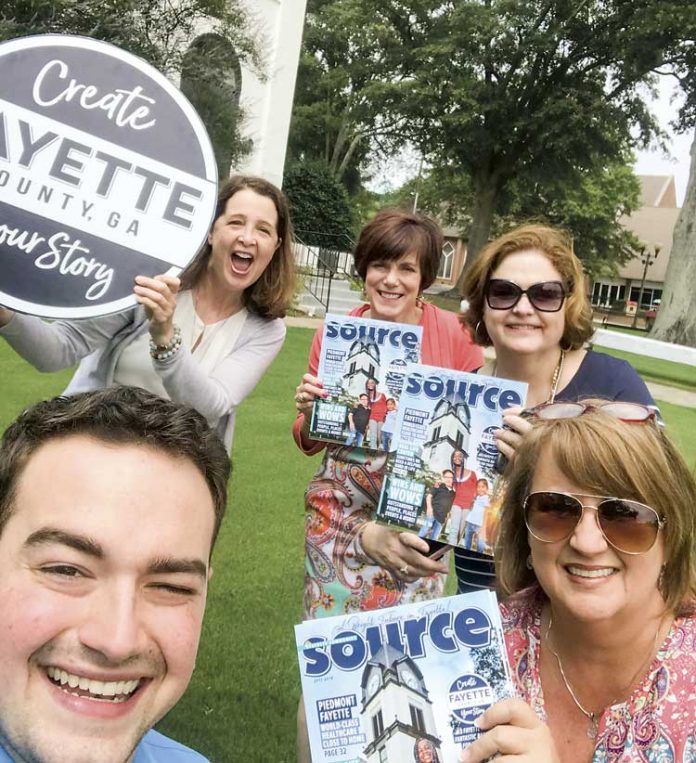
(658, 721)
(446, 343)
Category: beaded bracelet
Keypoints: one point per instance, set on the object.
(164, 351)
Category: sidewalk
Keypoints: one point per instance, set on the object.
(662, 392)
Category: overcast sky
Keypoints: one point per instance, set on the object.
(655, 162)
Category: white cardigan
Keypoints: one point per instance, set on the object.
(97, 344)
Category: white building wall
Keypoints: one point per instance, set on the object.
(268, 105)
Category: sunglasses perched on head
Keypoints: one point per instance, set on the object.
(546, 296)
(629, 526)
(630, 413)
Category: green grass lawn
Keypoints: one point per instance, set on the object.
(242, 701)
(659, 371)
(443, 302)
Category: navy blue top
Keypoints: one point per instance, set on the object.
(599, 375)
(606, 377)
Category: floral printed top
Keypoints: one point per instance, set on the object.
(657, 724)
(343, 495)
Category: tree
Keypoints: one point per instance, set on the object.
(588, 206)
(546, 89)
(676, 318)
(318, 205)
(160, 32)
(353, 72)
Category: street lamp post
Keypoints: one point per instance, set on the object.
(647, 259)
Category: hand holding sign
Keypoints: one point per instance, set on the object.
(158, 296)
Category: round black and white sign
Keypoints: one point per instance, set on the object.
(106, 172)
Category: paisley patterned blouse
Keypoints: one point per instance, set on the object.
(657, 724)
(342, 496)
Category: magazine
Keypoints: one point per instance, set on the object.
(441, 479)
(362, 366)
(386, 686)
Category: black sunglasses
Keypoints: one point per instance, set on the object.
(629, 526)
(547, 296)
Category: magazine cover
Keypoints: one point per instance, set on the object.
(387, 686)
(441, 479)
(362, 365)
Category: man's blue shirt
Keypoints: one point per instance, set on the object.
(153, 748)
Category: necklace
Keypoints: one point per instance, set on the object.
(594, 718)
(557, 376)
(555, 379)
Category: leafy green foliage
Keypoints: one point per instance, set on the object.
(498, 95)
(352, 76)
(542, 91)
(318, 204)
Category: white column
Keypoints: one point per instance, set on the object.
(268, 105)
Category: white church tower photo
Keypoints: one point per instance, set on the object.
(396, 709)
(448, 430)
(362, 363)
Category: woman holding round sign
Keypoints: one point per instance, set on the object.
(203, 340)
(526, 294)
(597, 558)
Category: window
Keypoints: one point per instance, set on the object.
(382, 752)
(377, 724)
(436, 434)
(607, 294)
(648, 296)
(446, 261)
(417, 720)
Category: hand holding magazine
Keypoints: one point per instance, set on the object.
(361, 366)
(441, 479)
(387, 685)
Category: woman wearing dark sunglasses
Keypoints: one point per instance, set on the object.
(598, 559)
(526, 294)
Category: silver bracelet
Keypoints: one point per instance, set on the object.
(165, 351)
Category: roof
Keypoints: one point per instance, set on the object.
(658, 191)
(653, 224)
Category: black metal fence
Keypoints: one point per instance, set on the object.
(321, 257)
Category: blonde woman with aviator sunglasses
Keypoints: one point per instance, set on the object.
(597, 561)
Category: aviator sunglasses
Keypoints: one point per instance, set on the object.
(629, 526)
(547, 296)
(629, 413)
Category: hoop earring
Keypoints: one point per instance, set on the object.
(477, 337)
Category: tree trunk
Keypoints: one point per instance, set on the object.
(676, 318)
(482, 219)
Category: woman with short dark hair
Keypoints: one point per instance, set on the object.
(353, 563)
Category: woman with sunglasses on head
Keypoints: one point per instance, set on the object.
(597, 555)
(526, 294)
(203, 340)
